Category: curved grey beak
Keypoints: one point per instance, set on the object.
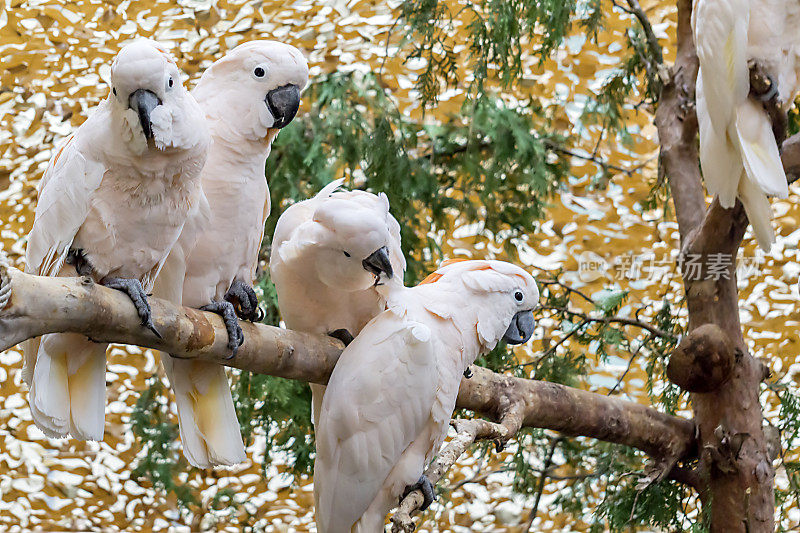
(283, 103)
(378, 263)
(143, 102)
(520, 330)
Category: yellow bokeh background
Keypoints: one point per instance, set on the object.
(54, 63)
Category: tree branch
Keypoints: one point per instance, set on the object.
(790, 156)
(467, 432)
(676, 121)
(616, 320)
(652, 41)
(31, 306)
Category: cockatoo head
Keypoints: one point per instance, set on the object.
(354, 244)
(499, 299)
(254, 90)
(147, 91)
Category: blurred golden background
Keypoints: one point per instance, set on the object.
(54, 63)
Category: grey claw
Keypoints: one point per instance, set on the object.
(152, 328)
(343, 335)
(426, 487)
(133, 288)
(244, 300)
(235, 335)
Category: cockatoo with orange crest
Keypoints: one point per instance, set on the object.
(739, 154)
(247, 96)
(389, 400)
(112, 203)
(326, 255)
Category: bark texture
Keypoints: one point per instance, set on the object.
(35, 305)
(733, 450)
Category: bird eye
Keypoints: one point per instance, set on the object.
(518, 296)
(346, 254)
(259, 72)
(170, 82)
(114, 90)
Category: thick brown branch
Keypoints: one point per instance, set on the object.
(39, 305)
(676, 121)
(790, 155)
(575, 412)
(31, 306)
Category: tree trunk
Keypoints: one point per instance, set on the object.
(733, 452)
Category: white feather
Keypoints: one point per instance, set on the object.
(122, 204)
(386, 409)
(222, 239)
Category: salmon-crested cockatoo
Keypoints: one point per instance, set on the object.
(112, 203)
(247, 96)
(739, 154)
(326, 255)
(389, 400)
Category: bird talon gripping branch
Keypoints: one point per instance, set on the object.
(425, 486)
(244, 301)
(133, 288)
(228, 313)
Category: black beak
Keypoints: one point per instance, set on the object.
(378, 262)
(143, 102)
(520, 330)
(283, 103)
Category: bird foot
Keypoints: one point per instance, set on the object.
(343, 335)
(425, 486)
(133, 288)
(468, 373)
(245, 301)
(226, 310)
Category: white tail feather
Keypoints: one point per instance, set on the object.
(719, 158)
(207, 419)
(68, 387)
(759, 212)
(762, 161)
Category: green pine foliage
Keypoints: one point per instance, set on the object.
(496, 162)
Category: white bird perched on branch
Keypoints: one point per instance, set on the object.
(739, 153)
(247, 96)
(326, 254)
(389, 400)
(112, 203)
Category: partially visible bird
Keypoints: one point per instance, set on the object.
(326, 255)
(112, 203)
(247, 96)
(739, 153)
(391, 395)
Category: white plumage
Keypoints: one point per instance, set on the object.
(738, 152)
(389, 400)
(317, 262)
(119, 191)
(244, 98)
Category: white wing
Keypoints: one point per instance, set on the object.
(65, 194)
(720, 32)
(762, 161)
(378, 400)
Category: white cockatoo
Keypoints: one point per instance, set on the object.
(739, 154)
(247, 96)
(112, 203)
(391, 395)
(326, 254)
